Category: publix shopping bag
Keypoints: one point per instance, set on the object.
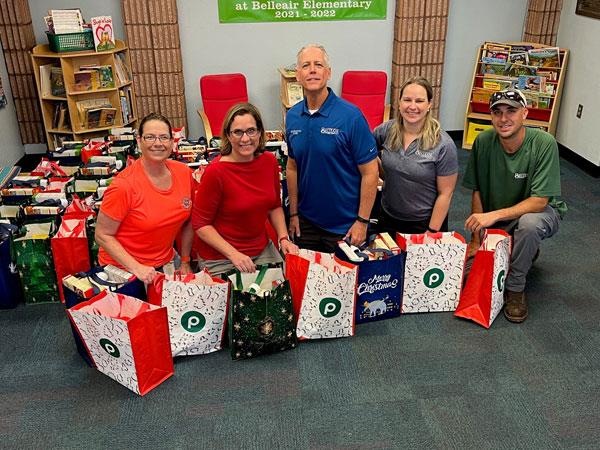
(483, 295)
(324, 293)
(433, 271)
(261, 315)
(197, 309)
(70, 250)
(128, 339)
(83, 286)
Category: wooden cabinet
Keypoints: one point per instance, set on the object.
(544, 116)
(291, 91)
(83, 110)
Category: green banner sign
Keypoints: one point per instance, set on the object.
(240, 11)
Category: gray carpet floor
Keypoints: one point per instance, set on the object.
(417, 381)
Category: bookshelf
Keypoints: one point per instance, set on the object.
(85, 109)
(291, 91)
(477, 116)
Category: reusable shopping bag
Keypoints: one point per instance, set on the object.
(380, 281)
(433, 271)
(34, 262)
(70, 250)
(83, 286)
(483, 295)
(197, 309)
(127, 339)
(261, 313)
(324, 294)
(10, 288)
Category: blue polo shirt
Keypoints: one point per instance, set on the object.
(328, 146)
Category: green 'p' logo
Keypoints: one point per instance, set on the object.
(500, 280)
(110, 348)
(193, 321)
(329, 307)
(433, 278)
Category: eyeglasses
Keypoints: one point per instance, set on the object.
(514, 96)
(151, 139)
(250, 132)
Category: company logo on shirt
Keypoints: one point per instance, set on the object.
(520, 176)
(186, 203)
(332, 131)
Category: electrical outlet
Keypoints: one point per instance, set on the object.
(579, 111)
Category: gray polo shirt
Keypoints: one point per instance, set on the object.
(410, 188)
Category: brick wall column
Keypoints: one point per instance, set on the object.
(541, 25)
(419, 45)
(152, 33)
(16, 34)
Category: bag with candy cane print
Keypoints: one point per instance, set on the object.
(197, 309)
(433, 271)
(128, 339)
(324, 294)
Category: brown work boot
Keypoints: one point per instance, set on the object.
(515, 309)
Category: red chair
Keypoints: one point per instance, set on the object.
(219, 93)
(367, 89)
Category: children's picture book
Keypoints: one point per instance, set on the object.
(497, 84)
(520, 48)
(514, 70)
(519, 58)
(102, 28)
(497, 46)
(107, 117)
(295, 93)
(57, 82)
(544, 57)
(83, 80)
(532, 83)
(500, 55)
(490, 60)
(496, 69)
(66, 20)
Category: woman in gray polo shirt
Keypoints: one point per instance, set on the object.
(418, 164)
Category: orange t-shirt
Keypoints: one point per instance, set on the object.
(150, 217)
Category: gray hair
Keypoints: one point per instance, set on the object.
(319, 46)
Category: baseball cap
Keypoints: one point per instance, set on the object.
(510, 97)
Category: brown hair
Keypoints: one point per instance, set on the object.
(154, 116)
(241, 109)
(430, 133)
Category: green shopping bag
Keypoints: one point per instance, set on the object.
(261, 313)
(34, 262)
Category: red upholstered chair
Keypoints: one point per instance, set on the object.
(366, 89)
(219, 93)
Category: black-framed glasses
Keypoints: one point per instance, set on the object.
(151, 139)
(250, 132)
(513, 95)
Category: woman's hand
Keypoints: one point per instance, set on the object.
(286, 246)
(185, 268)
(145, 273)
(242, 262)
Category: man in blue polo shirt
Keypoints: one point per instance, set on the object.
(332, 166)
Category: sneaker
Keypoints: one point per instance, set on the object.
(515, 309)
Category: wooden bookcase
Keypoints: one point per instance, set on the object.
(121, 96)
(289, 87)
(477, 116)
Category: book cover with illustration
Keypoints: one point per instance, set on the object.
(532, 83)
(102, 29)
(544, 57)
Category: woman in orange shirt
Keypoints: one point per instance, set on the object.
(146, 206)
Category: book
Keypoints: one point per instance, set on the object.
(499, 55)
(121, 70)
(83, 80)
(66, 20)
(519, 58)
(104, 75)
(474, 129)
(496, 46)
(514, 70)
(57, 82)
(102, 29)
(295, 93)
(107, 117)
(92, 117)
(544, 57)
(45, 72)
(532, 83)
(490, 60)
(497, 84)
(496, 69)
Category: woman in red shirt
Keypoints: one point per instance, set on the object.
(238, 192)
(146, 206)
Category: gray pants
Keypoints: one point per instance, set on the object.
(528, 231)
(217, 267)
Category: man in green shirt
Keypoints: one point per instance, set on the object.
(515, 177)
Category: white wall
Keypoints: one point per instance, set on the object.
(581, 35)
(470, 23)
(11, 148)
(258, 49)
